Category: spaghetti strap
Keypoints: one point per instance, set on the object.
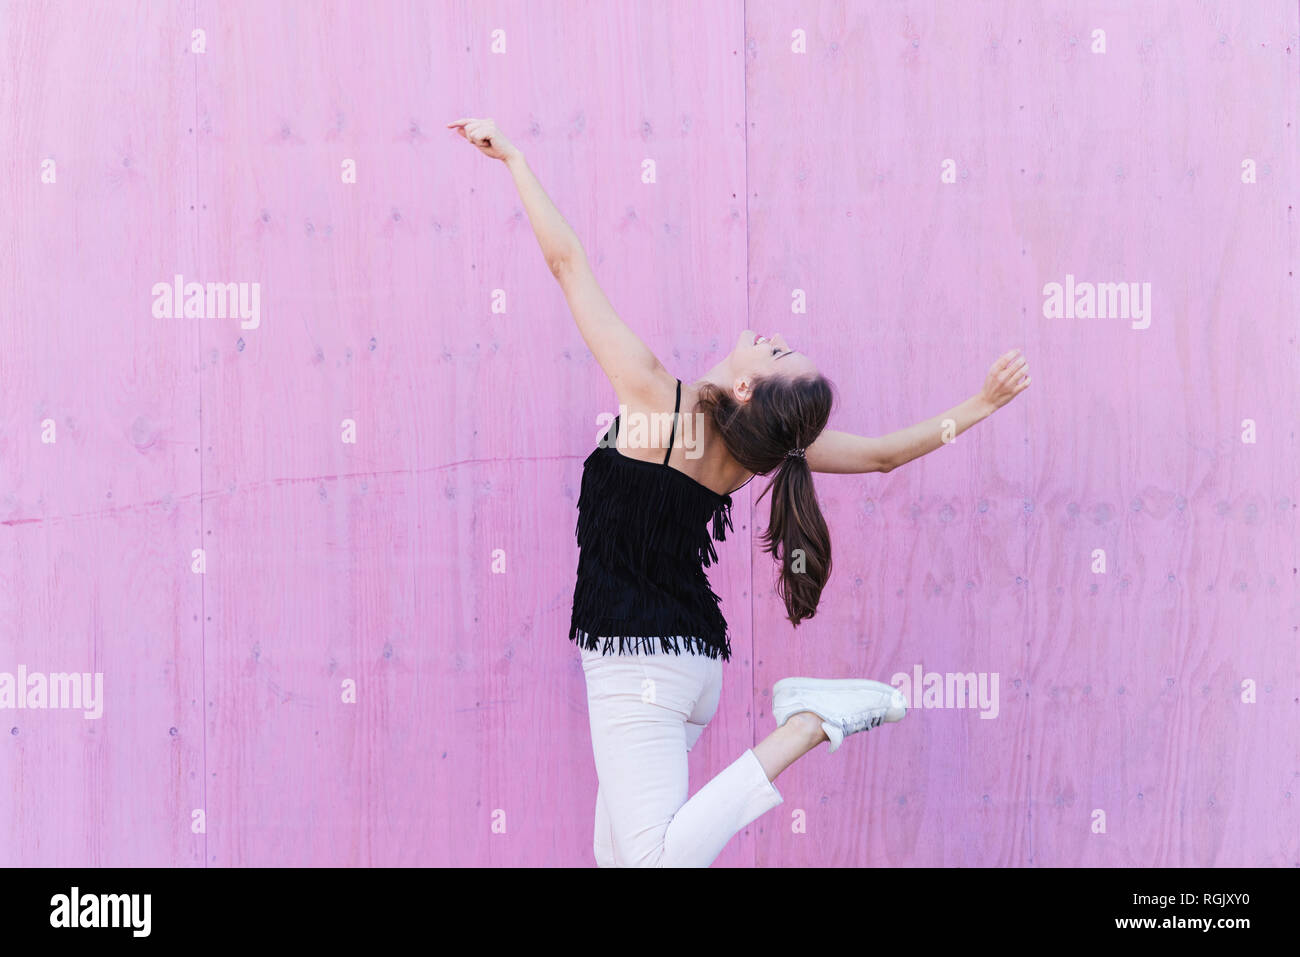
(742, 485)
(676, 406)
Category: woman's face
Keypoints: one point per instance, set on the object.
(758, 356)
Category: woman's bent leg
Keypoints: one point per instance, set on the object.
(727, 803)
(717, 812)
(639, 707)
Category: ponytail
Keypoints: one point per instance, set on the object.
(768, 434)
(797, 537)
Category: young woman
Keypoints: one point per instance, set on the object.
(656, 494)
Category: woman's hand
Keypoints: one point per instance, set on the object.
(485, 135)
(1007, 378)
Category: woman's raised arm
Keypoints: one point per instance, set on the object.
(844, 452)
(632, 368)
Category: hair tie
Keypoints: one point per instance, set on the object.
(795, 454)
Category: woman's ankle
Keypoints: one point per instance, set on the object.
(809, 724)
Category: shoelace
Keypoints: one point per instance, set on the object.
(864, 722)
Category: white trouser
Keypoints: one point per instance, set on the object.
(647, 710)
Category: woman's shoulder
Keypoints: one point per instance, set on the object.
(653, 391)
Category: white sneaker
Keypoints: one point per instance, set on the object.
(845, 705)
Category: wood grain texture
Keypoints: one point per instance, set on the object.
(96, 527)
(432, 561)
(1120, 692)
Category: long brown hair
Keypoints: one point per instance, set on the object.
(782, 415)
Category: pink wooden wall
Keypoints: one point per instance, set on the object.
(776, 171)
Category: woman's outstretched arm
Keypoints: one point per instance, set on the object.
(632, 368)
(844, 452)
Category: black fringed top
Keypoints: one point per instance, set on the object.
(643, 544)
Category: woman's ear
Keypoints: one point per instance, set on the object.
(743, 389)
